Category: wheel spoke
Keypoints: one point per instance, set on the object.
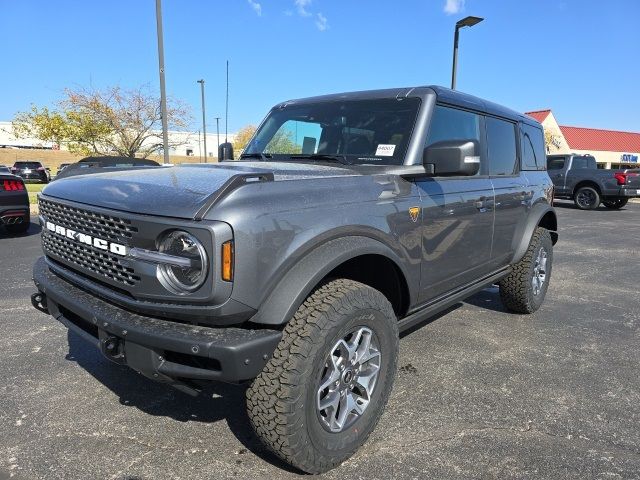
(367, 380)
(331, 375)
(330, 401)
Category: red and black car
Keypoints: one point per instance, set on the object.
(14, 204)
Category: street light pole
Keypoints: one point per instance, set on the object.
(218, 133)
(204, 126)
(465, 22)
(163, 95)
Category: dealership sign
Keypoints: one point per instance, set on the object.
(629, 158)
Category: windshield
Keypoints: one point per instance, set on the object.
(360, 131)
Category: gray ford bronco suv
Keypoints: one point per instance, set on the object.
(347, 219)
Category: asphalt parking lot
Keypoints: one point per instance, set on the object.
(480, 393)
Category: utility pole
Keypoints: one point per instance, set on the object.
(204, 126)
(217, 133)
(163, 95)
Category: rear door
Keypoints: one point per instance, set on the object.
(457, 212)
(512, 190)
(557, 170)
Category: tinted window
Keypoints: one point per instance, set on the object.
(583, 162)
(555, 164)
(533, 151)
(451, 124)
(27, 164)
(501, 141)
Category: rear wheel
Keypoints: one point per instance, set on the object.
(524, 289)
(323, 392)
(587, 198)
(615, 203)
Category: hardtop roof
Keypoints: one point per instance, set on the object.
(444, 95)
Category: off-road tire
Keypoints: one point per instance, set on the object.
(516, 289)
(592, 200)
(615, 203)
(281, 400)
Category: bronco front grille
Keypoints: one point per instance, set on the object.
(86, 221)
(101, 263)
(99, 225)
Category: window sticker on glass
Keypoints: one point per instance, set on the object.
(385, 150)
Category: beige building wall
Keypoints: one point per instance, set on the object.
(558, 144)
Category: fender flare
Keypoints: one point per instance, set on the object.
(525, 231)
(296, 285)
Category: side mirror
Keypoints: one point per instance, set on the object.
(453, 157)
(225, 152)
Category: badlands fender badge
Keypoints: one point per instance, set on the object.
(98, 243)
(413, 213)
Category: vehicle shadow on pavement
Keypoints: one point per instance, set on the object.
(34, 229)
(489, 299)
(572, 206)
(217, 401)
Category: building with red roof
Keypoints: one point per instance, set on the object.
(611, 148)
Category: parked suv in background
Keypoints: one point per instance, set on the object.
(31, 170)
(578, 178)
(348, 218)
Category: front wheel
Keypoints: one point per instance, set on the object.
(524, 289)
(587, 198)
(323, 392)
(615, 203)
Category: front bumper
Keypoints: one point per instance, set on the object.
(163, 350)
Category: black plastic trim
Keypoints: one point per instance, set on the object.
(241, 353)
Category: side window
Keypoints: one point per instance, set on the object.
(452, 124)
(501, 142)
(533, 150)
(555, 164)
(579, 162)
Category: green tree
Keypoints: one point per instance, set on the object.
(282, 142)
(242, 137)
(112, 121)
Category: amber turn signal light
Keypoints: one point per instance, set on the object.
(227, 261)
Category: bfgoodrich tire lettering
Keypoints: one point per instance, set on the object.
(524, 289)
(282, 401)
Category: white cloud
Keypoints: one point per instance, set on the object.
(256, 7)
(321, 22)
(302, 7)
(451, 7)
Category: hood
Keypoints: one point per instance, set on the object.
(178, 192)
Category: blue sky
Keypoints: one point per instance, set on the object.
(578, 57)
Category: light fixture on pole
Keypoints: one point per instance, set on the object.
(163, 95)
(465, 22)
(204, 125)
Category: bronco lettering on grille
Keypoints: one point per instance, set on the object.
(88, 239)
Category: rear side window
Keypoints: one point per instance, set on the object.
(501, 143)
(533, 151)
(555, 164)
(583, 162)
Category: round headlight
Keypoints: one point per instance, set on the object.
(183, 279)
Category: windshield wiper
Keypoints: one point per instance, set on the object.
(321, 156)
(260, 156)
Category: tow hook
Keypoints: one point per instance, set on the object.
(112, 347)
(39, 301)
